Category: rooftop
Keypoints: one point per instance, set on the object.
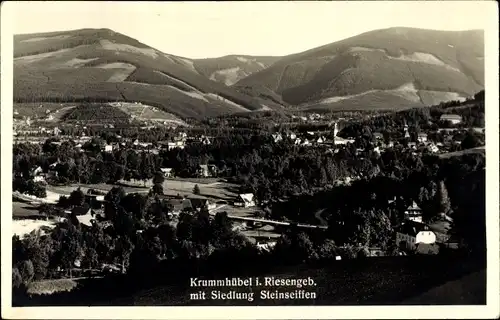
(412, 228)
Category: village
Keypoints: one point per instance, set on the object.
(205, 190)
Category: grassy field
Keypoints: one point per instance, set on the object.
(215, 191)
(47, 287)
(66, 190)
(39, 110)
(145, 112)
(23, 210)
(210, 189)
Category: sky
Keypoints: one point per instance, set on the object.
(213, 29)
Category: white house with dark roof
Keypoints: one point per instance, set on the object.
(410, 233)
(433, 148)
(339, 140)
(167, 172)
(321, 140)
(422, 137)
(37, 171)
(176, 206)
(197, 203)
(413, 213)
(245, 200)
(277, 137)
(205, 140)
(108, 148)
(84, 214)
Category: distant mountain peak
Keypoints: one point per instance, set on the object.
(368, 70)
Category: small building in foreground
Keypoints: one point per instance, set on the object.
(410, 234)
(245, 200)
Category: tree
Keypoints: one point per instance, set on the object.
(123, 248)
(63, 202)
(27, 272)
(91, 258)
(157, 189)
(158, 178)
(17, 279)
(77, 197)
(443, 199)
(196, 189)
(327, 250)
(471, 140)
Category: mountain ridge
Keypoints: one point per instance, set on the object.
(443, 63)
(390, 68)
(101, 65)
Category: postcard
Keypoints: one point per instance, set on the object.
(249, 160)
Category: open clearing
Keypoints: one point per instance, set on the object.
(37, 57)
(123, 70)
(230, 75)
(23, 210)
(38, 110)
(25, 226)
(406, 91)
(192, 94)
(108, 45)
(36, 39)
(215, 191)
(423, 57)
(77, 63)
(51, 286)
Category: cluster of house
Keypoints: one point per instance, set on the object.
(422, 140)
(178, 142)
(92, 211)
(309, 117)
(414, 234)
(20, 131)
(204, 171)
(311, 138)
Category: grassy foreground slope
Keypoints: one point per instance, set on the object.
(99, 65)
(446, 62)
(375, 281)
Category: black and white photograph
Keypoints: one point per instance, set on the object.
(249, 154)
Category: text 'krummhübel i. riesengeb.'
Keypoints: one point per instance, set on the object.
(291, 289)
(253, 281)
